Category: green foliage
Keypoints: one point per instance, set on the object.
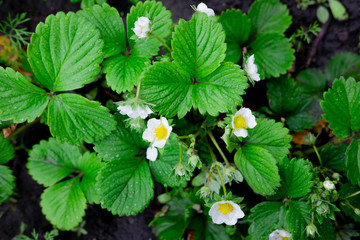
(63, 55)
(10, 28)
(269, 16)
(353, 162)
(64, 201)
(6, 150)
(343, 64)
(7, 183)
(20, 100)
(345, 191)
(296, 178)
(333, 156)
(341, 106)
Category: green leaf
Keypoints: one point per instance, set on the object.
(346, 190)
(270, 136)
(311, 81)
(123, 72)
(353, 162)
(268, 47)
(198, 45)
(51, 161)
(283, 95)
(172, 92)
(259, 168)
(160, 26)
(6, 150)
(296, 178)
(110, 24)
(322, 14)
(171, 226)
(333, 156)
(65, 52)
(166, 86)
(338, 10)
(121, 143)
(7, 183)
(343, 64)
(64, 204)
(298, 217)
(125, 186)
(163, 167)
(220, 91)
(269, 16)
(20, 100)
(342, 106)
(265, 217)
(90, 166)
(236, 25)
(74, 119)
(233, 52)
(305, 116)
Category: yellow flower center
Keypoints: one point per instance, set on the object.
(239, 122)
(225, 208)
(284, 238)
(161, 132)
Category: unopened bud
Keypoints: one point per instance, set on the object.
(336, 176)
(180, 169)
(194, 160)
(205, 192)
(357, 211)
(311, 230)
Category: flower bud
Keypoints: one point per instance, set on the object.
(357, 211)
(329, 185)
(311, 230)
(180, 169)
(194, 160)
(336, 176)
(205, 192)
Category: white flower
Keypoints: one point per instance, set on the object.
(242, 120)
(157, 133)
(251, 69)
(226, 212)
(280, 235)
(139, 111)
(203, 8)
(142, 26)
(329, 185)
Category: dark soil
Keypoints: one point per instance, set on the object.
(100, 224)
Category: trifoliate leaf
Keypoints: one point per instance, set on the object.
(74, 119)
(283, 95)
(236, 26)
(110, 24)
(160, 26)
(347, 190)
(6, 150)
(298, 217)
(333, 156)
(172, 92)
(269, 16)
(268, 47)
(65, 52)
(233, 53)
(220, 91)
(50, 161)
(198, 45)
(167, 87)
(311, 81)
(270, 136)
(163, 167)
(20, 100)
(90, 166)
(64, 204)
(265, 217)
(7, 183)
(125, 186)
(259, 169)
(123, 72)
(121, 143)
(296, 178)
(353, 162)
(342, 64)
(342, 106)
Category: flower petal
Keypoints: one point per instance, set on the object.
(241, 132)
(151, 153)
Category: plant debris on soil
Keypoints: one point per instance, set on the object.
(100, 224)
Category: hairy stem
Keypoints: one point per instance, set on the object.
(218, 148)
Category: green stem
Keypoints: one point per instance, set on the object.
(160, 40)
(318, 155)
(346, 202)
(222, 181)
(351, 195)
(180, 154)
(22, 128)
(138, 91)
(218, 148)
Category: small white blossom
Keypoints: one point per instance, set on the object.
(251, 69)
(139, 111)
(142, 26)
(157, 133)
(242, 120)
(329, 185)
(280, 235)
(203, 8)
(226, 212)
